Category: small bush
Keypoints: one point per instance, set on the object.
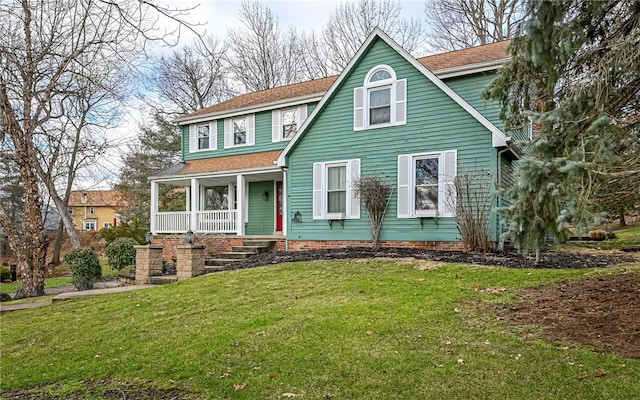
(5, 274)
(121, 253)
(84, 266)
(133, 229)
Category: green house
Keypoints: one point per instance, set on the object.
(283, 162)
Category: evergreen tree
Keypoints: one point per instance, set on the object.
(156, 148)
(576, 74)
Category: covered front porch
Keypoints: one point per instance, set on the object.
(240, 203)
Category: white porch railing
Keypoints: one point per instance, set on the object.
(216, 221)
(172, 221)
(210, 221)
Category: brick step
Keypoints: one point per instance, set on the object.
(234, 255)
(269, 244)
(162, 279)
(250, 249)
(217, 262)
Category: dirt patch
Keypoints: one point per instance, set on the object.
(103, 389)
(555, 259)
(603, 312)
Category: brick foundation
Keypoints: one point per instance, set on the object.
(298, 245)
(213, 244)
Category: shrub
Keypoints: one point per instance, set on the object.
(121, 253)
(133, 230)
(5, 274)
(598, 234)
(84, 266)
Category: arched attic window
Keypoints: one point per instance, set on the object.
(381, 101)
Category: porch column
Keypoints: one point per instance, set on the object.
(154, 207)
(195, 195)
(240, 188)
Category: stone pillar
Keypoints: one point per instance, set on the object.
(190, 261)
(148, 263)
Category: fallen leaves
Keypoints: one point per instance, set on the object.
(369, 333)
(225, 375)
(460, 361)
(598, 374)
(239, 386)
(289, 395)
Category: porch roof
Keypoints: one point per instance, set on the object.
(221, 164)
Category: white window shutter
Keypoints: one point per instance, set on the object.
(276, 126)
(404, 186)
(353, 172)
(448, 183)
(358, 108)
(228, 133)
(401, 102)
(213, 135)
(193, 138)
(318, 190)
(302, 115)
(251, 130)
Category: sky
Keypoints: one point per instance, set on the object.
(212, 17)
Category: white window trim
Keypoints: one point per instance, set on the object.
(229, 134)
(105, 225)
(320, 190)
(92, 210)
(85, 225)
(407, 185)
(397, 87)
(277, 122)
(194, 139)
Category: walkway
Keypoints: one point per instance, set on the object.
(70, 293)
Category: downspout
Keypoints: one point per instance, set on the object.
(287, 208)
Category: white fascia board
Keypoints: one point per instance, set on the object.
(471, 68)
(285, 103)
(222, 174)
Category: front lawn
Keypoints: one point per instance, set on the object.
(377, 329)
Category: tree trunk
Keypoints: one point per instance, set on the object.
(55, 259)
(623, 222)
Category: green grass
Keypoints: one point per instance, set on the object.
(629, 237)
(50, 283)
(302, 328)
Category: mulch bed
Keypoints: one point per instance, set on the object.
(554, 259)
(603, 312)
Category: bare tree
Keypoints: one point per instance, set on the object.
(374, 194)
(262, 56)
(49, 51)
(351, 23)
(459, 24)
(191, 78)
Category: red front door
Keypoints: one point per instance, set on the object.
(279, 206)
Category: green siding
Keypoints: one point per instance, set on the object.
(434, 123)
(263, 139)
(471, 87)
(261, 212)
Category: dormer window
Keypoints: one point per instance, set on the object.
(381, 101)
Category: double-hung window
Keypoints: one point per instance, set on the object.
(203, 136)
(334, 197)
(381, 101)
(286, 122)
(239, 131)
(426, 184)
(89, 225)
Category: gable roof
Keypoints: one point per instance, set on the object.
(98, 198)
(498, 137)
(264, 159)
(474, 59)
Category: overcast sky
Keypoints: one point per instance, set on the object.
(216, 16)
